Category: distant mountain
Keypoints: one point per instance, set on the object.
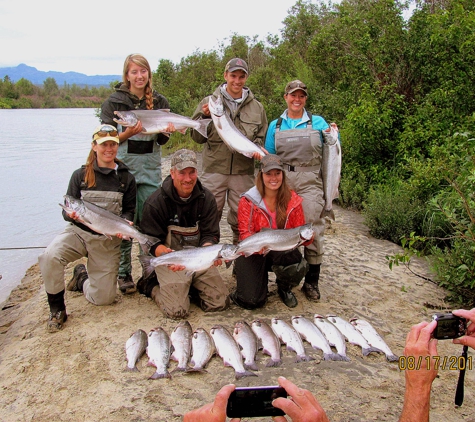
(37, 77)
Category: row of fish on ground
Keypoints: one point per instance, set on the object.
(238, 349)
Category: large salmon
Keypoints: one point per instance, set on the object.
(156, 121)
(228, 132)
(331, 169)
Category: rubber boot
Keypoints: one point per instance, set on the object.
(57, 314)
(146, 285)
(286, 295)
(310, 286)
(78, 279)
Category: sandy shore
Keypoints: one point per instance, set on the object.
(78, 374)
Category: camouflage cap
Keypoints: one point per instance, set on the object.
(184, 158)
(271, 162)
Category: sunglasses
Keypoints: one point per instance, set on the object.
(106, 131)
(294, 85)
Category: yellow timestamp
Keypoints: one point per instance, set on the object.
(452, 363)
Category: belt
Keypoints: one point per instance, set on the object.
(301, 169)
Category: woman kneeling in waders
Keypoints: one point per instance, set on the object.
(107, 183)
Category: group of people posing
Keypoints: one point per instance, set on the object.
(123, 175)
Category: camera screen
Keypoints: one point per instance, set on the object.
(254, 401)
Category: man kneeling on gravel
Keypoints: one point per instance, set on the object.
(182, 212)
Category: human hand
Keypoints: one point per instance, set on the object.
(301, 407)
(213, 412)
(133, 130)
(175, 267)
(469, 338)
(217, 262)
(419, 346)
(205, 110)
(170, 128)
(162, 249)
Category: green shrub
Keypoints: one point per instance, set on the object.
(391, 212)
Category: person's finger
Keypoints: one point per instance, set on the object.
(414, 332)
(465, 340)
(221, 399)
(470, 315)
(426, 332)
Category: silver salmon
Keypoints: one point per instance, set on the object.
(156, 121)
(134, 348)
(247, 340)
(373, 338)
(269, 341)
(158, 351)
(270, 240)
(105, 222)
(352, 334)
(310, 332)
(291, 338)
(333, 335)
(229, 351)
(228, 132)
(331, 169)
(193, 259)
(203, 349)
(181, 342)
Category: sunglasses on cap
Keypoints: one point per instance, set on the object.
(104, 131)
(296, 84)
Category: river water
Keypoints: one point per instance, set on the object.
(39, 151)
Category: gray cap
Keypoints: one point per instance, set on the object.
(295, 86)
(236, 64)
(184, 158)
(271, 162)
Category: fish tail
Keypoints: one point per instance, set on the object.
(392, 358)
(240, 375)
(191, 370)
(156, 376)
(148, 268)
(327, 213)
(203, 128)
(273, 363)
(344, 358)
(146, 243)
(303, 358)
(252, 366)
(179, 369)
(369, 350)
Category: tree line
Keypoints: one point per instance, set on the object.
(402, 92)
(24, 94)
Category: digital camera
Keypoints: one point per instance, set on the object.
(449, 326)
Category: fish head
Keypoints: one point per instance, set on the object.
(127, 118)
(216, 106)
(228, 252)
(307, 232)
(74, 204)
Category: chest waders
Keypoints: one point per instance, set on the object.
(301, 152)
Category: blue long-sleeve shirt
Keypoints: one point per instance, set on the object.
(318, 123)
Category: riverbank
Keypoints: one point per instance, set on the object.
(78, 373)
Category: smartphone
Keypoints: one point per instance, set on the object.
(449, 326)
(254, 401)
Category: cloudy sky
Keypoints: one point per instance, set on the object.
(95, 36)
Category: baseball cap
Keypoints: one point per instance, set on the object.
(295, 86)
(271, 162)
(103, 133)
(236, 64)
(184, 158)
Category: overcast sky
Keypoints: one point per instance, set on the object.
(95, 36)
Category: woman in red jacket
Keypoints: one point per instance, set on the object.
(269, 204)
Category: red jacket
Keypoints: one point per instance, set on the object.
(253, 216)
